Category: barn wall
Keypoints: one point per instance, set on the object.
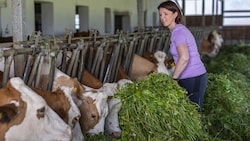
(6, 18)
(152, 16)
(197, 20)
(236, 34)
(64, 14)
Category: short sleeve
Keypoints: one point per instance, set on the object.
(179, 37)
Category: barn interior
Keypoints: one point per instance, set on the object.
(101, 36)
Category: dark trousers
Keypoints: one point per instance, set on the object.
(195, 87)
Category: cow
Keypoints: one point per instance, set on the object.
(112, 127)
(90, 80)
(150, 63)
(100, 99)
(25, 115)
(87, 78)
(212, 45)
(160, 56)
(74, 89)
(62, 103)
(141, 67)
(92, 119)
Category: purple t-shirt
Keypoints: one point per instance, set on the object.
(182, 35)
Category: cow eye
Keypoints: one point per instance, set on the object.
(40, 112)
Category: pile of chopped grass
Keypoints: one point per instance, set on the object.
(158, 109)
(226, 106)
(226, 109)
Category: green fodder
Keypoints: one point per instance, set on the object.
(158, 109)
(230, 58)
(226, 109)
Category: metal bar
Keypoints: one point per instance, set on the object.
(38, 72)
(98, 63)
(82, 61)
(236, 11)
(51, 74)
(34, 69)
(7, 65)
(72, 60)
(75, 65)
(103, 65)
(64, 60)
(236, 17)
(27, 68)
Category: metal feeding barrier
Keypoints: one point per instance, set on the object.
(100, 55)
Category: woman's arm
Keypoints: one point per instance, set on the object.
(182, 60)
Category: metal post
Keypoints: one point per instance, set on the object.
(18, 7)
(203, 13)
(140, 14)
(183, 10)
(222, 11)
(213, 20)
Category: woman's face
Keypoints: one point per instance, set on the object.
(167, 18)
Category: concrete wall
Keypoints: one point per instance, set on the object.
(62, 13)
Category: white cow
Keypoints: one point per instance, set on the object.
(112, 127)
(160, 56)
(30, 119)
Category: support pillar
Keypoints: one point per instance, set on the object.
(18, 22)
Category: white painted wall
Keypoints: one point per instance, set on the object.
(64, 14)
(151, 7)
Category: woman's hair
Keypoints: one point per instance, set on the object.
(172, 6)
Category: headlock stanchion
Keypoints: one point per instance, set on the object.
(102, 56)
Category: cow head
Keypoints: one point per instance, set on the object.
(215, 38)
(24, 111)
(102, 108)
(112, 127)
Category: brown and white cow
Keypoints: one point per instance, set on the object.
(25, 115)
(65, 107)
(161, 58)
(141, 67)
(149, 63)
(212, 45)
(83, 95)
(100, 99)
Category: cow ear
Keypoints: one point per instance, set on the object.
(78, 88)
(8, 112)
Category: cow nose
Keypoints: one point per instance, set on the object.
(94, 116)
(116, 134)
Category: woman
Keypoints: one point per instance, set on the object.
(190, 71)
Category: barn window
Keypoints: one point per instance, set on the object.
(77, 19)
